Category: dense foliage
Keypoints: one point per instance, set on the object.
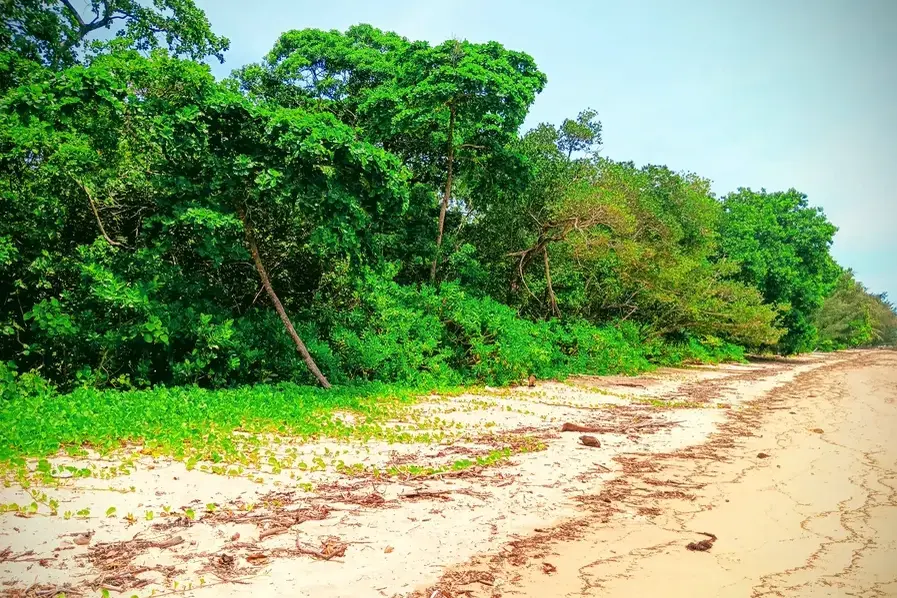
(853, 317)
(360, 207)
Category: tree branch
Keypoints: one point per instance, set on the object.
(96, 23)
(74, 13)
(96, 213)
(552, 299)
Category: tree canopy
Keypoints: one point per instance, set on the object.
(53, 32)
(359, 206)
(782, 244)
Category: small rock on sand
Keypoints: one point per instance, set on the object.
(590, 441)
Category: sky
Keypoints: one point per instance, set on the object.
(747, 93)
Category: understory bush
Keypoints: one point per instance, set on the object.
(393, 333)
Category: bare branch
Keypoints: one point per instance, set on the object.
(74, 13)
(96, 213)
(552, 299)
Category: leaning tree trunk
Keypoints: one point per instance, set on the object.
(266, 282)
(552, 298)
(447, 194)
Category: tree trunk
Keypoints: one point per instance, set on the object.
(448, 192)
(263, 274)
(552, 300)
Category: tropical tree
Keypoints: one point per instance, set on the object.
(139, 187)
(853, 317)
(54, 31)
(441, 108)
(580, 134)
(782, 245)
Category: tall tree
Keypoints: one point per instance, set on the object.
(440, 108)
(782, 245)
(450, 106)
(52, 31)
(324, 70)
(580, 134)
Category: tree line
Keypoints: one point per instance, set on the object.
(359, 206)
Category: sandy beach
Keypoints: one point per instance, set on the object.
(788, 466)
(799, 491)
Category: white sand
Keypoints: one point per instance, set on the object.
(394, 548)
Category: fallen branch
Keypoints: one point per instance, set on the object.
(568, 427)
(426, 493)
(654, 424)
(168, 543)
(272, 532)
(330, 548)
(7, 556)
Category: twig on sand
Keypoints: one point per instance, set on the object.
(330, 548)
(443, 494)
(654, 424)
(272, 532)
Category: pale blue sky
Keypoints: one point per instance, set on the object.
(762, 93)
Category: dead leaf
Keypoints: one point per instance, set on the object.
(548, 568)
(388, 549)
(257, 558)
(818, 431)
(763, 455)
(235, 537)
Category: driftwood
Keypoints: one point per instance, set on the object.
(330, 548)
(568, 427)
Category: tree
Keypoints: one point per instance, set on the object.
(449, 106)
(782, 245)
(627, 243)
(324, 70)
(853, 317)
(52, 31)
(441, 108)
(595, 239)
(137, 190)
(581, 134)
